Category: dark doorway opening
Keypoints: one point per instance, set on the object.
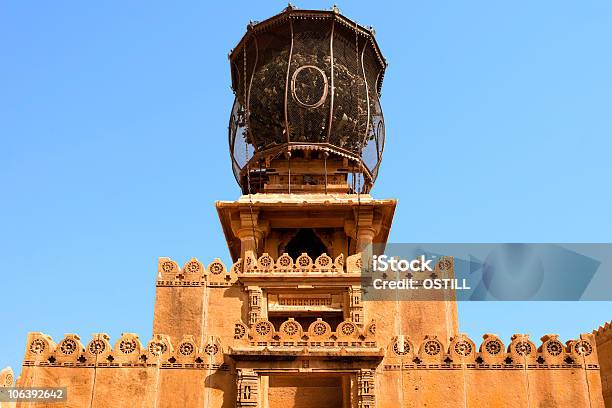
(305, 241)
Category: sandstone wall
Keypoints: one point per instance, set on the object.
(428, 373)
(603, 338)
(403, 354)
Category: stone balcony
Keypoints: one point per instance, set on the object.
(347, 340)
(303, 265)
(194, 273)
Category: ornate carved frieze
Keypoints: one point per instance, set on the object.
(318, 334)
(128, 351)
(461, 352)
(265, 264)
(193, 273)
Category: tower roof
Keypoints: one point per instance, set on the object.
(306, 80)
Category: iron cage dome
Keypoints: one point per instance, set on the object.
(306, 80)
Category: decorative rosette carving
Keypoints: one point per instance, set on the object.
(522, 349)
(193, 270)
(37, 346)
(552, 350)
(284, 262)
(193, 266)
(96, 347)
(347, 330)
(167, 269)
(263, 330)
(432, 350)
(265, 263)
(370, 329)
(211, 351)
(240, 331)
(583, 348)
(128, 348)
(290, 330)
(159, 346)
(319, 330)
(40, 346)
(324, 263)
(216, 272)
(99, 348)
(401, 346)
(462, 349)
(69, 348)
(492, 349)
(216, 267)
(186, 350)
(304, 262)
(432, 347)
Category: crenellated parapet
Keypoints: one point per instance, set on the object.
(127, 351)
(194, 273)
(520, 353)
(603, 340)
(604, 333)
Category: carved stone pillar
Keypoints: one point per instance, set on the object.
(251, 231)
(255, 303)
(366, 392)
(249, 240)
(365, 237)
(248, 389)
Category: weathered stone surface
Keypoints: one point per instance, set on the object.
(319, 367)
(603, 339)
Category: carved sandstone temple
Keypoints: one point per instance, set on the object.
(285, 324)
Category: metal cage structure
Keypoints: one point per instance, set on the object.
(306, 80)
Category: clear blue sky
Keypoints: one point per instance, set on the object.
(113, 121)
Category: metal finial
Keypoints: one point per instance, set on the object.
(336, 10)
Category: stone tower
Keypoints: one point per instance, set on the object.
(286, 324)
(306, 138)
